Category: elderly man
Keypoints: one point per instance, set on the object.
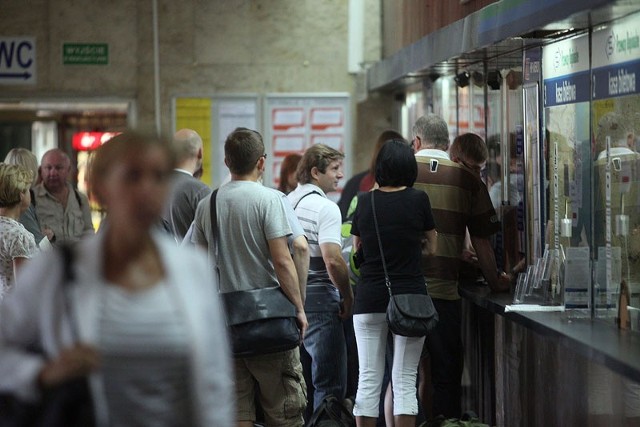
(460, 201)
(64, 212)
(186, 191)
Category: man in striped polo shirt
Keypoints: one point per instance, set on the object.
(459, 200)
(329, 295)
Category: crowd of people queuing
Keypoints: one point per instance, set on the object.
(151, 334)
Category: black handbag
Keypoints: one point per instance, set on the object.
(331, 413)
(409, 315)
(260, 321)
(66, 405)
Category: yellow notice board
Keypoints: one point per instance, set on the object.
(195, 113)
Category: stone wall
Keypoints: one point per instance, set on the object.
(207, 47)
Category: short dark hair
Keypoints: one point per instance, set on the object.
(242, 149)
(385, 136)
(396, 164)
(469, 146)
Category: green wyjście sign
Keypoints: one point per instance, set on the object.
(85, 54)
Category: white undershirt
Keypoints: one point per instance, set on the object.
(145, 358)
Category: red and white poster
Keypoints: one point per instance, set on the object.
(294, 123)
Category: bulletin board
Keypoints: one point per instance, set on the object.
(195, 113)
(294, 122)
(214, 117)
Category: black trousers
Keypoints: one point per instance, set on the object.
(444, 345)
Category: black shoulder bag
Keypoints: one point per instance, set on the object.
(66, 405)
(409, 315)
(260, 321)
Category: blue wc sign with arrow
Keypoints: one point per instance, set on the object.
(17, 60)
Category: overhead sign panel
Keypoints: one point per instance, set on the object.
(566, 72)
(616, 59)
(17, 60)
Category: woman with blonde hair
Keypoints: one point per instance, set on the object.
(24, 157)
(16, 243)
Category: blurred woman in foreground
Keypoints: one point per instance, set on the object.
(152, 335)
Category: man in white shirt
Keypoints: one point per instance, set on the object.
(329, 295)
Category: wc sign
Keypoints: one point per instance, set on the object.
(17, 60)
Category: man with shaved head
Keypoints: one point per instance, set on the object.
(186, 191)
(64, 212)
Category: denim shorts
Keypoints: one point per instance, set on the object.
(276, 380)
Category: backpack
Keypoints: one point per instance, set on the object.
(331, 413)
(348, 251)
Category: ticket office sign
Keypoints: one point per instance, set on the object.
(616, 59)
(566, 72)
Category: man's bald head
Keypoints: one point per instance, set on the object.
(54, 169)
(187, 145)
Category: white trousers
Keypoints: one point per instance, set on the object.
(371, 336)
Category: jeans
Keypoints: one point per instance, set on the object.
(371, 335)
(324, 355)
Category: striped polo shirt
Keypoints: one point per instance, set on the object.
(321, 220)
(459, 200)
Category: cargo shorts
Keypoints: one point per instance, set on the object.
(276, 380)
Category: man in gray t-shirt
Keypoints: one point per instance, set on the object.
(252, 253)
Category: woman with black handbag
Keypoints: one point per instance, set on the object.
(128, 310)
(394, 226)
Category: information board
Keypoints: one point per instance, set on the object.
(295, 122)
(214, 117)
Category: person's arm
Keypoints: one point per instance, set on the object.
(468, 253)
(356, 243)
(18, 263)
(339, 275)
(300, 249)
(73, 362)
(487, 261)
(430, 243)
(287, 277)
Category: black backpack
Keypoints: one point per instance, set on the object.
(331, 413)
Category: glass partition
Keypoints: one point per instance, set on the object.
(568, 159)
(616, 169)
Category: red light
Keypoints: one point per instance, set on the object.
(87, 141)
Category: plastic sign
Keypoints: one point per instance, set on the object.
(87, 141)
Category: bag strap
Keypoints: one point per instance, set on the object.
(308, 194)
(387, 282)
(214, 220)
(68, 276)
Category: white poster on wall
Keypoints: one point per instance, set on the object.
(230, 113)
